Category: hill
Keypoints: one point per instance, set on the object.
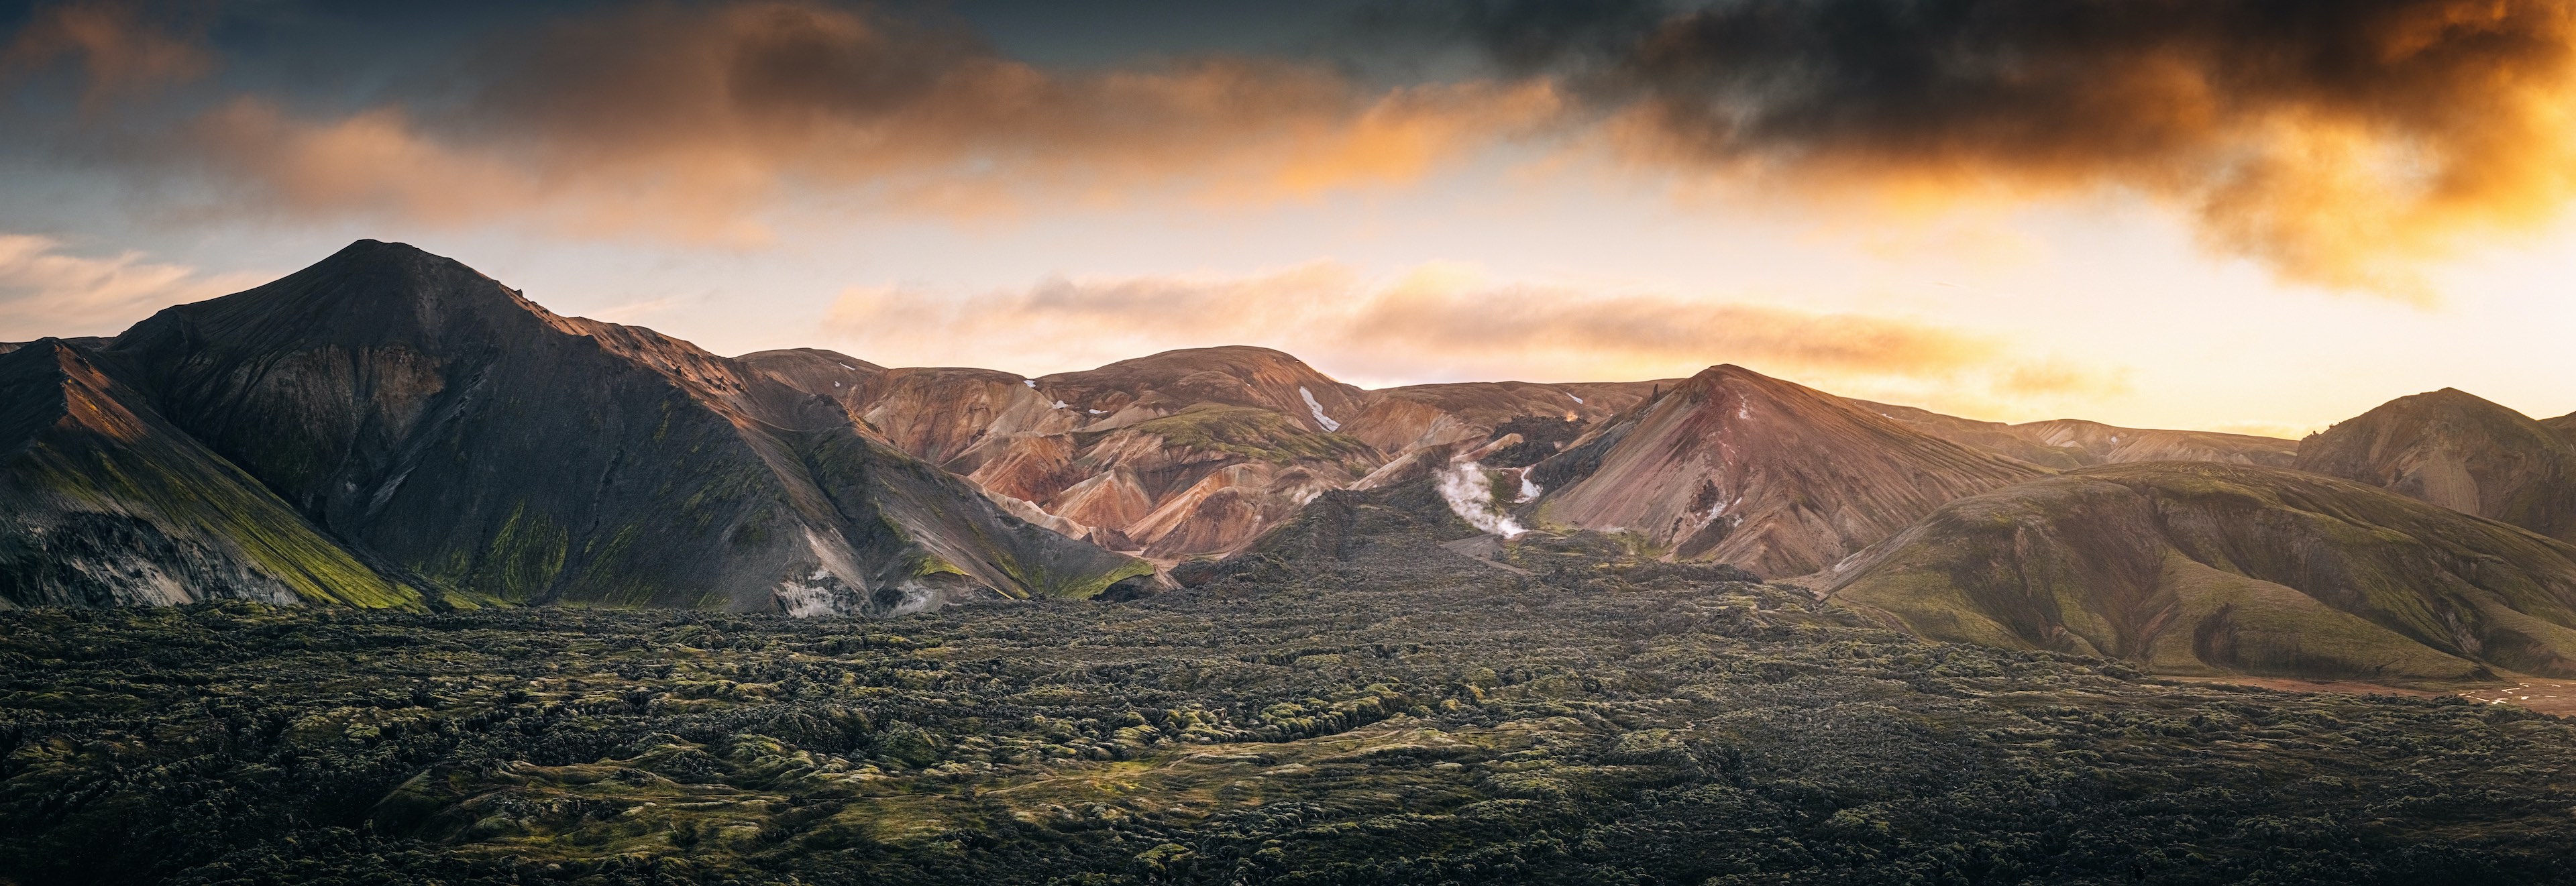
(2459, 451)
(2199, 568)
(1770, 476)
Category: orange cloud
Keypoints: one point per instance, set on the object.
(690, 121)
(2339, 142)
(118, 52)
(46, 292)
(1449, 323)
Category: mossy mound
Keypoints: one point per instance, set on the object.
(2199, 568)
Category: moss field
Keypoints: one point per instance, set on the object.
(1391, 713)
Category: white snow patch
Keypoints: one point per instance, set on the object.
(1744, 410)
(1031, 382)
(1060, 405)
(1318, 408)
(2115, 438)
(1529, 490)
(1098, 411)
(1471, 497)
(1570, 395)
(836, 384)
(847, 366)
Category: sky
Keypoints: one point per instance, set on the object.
(2259, 216)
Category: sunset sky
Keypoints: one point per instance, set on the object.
(2247, 216)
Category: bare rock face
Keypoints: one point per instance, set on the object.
(2074, 443)
(1407, 418)
(1206, 479)
(2204, 568)
(103, 503)
(2458, 451)
(443, 424)
(1772, 477)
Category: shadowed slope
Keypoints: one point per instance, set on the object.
(1770, 476)
(2458, 451)
(2197, 568)
(102, 503)
(437, 418)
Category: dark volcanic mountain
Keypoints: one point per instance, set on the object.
(1772, 477)
(103, 503)
(2458, 451)
(434, 419)
(2197, 568)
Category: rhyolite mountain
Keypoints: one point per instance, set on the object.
(2206, 568)
(1182, 453)
(2459, 451)
(480, 448)
(104, 503)
(1773, 477)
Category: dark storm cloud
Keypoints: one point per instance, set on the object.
(2318, 135)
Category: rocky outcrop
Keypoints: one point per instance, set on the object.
(2458, 451)
(1775, 478)
(2201, 568)
(104, 503)
(434, 420)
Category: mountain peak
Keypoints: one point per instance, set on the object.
(2460, 451)
(368, 294)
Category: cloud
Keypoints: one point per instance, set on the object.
(1447, 323)
(692, 121)
(44, 292)
(2339, 142)
(119, 52)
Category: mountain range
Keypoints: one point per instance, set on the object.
(389, 428)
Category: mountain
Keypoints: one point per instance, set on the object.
(1177, 454)
(422, 414)
(1770, 476)
(103, 503)
(2564, 426)
(1146, 388)
(2456, 450)
(1407, 418)
(2200, 568)
(2074, 443)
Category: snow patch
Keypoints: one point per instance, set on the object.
(1318, 408)
(1098, 411)
(847, 366)
(1570, 395)
(1744, 410)
(1529, 490)
(1031, 382)
(1471, 497)
(1060, 405)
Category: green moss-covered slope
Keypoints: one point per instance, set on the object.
(103, 503)
(2199, 568)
